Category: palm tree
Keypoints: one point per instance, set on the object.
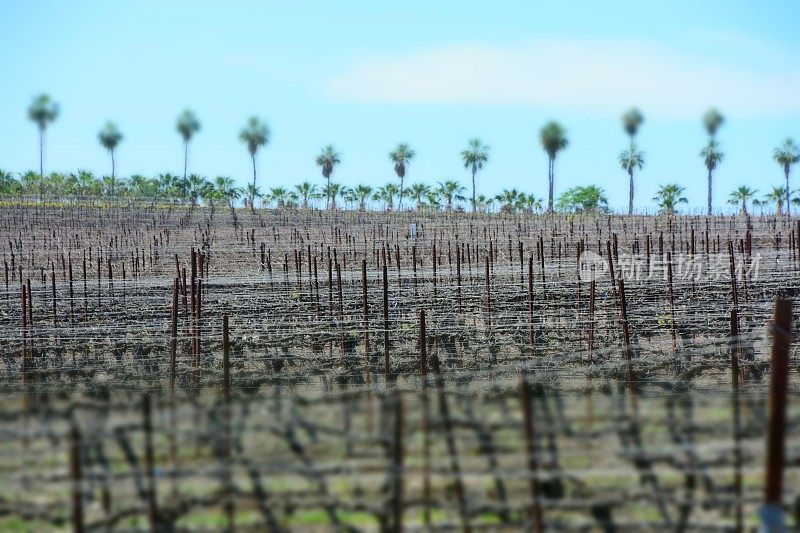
(787, 155)
(187, 126)
(252, 192)
(254, 135)
(7, 183)
(307, 191)
(778, 196)
(553, 138)
(668, 197)
(630, 160)
(433, 200)
(387, 194)
(31, 181)
(362, 193)
(291, 200)
(509, 199)
(349, 195)
(418, 192)
(141, 186)
(209, 194)
(474, 157)
(631, 121)
(401, 156)
(43, 110)
(712, 156)
(327, 159)
(530, 203)
(226, 189)
(110, 137)
(712, 120)
(84, 181)
(279, 195)
(450, 190)
(331, 191)
(483, 202)
(171, 186)
(194, 187)
(741, 196)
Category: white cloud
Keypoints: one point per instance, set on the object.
(595, 76)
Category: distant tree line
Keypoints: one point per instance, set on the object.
(445, 195)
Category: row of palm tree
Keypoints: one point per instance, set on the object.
(447, 195)
(553, 138)
(777, 196)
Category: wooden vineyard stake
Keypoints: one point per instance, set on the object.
(24, 363)
(771, 513)
(452, 451)
(530, 301)
(30, 310)
(226, 364)
(71, 294)
(590, 338)
(488, 292)
(386, 362)
(76, 478)
(173, 345)
(671, 303)
(226, 419)
(592, 297)
(435, 277)
(458, 278)
(365, 299)
(426, 443)
(149, 458)
(737, 424)
(398, 462)
(732, 265)
(535, 510)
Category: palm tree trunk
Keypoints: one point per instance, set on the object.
(788, 202)
(630, 192)
(253, 197)
(41, 152)
(328, 193)
(473, 189)
(185, 157)
(550, 185)
(41, 161)
(113, 173)
(400, 201)
(709, 192)
(253, 157)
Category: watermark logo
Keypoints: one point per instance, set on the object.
(685, 267)
(591, 266)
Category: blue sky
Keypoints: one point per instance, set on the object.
(367, 75)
